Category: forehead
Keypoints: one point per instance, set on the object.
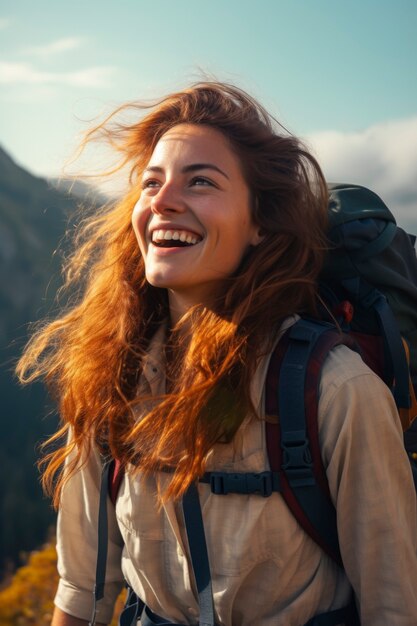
(195, 143)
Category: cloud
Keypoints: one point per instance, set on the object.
(25, 73)
(382, 157)
(55, 47)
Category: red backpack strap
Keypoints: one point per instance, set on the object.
(293, 447)
(116, 474)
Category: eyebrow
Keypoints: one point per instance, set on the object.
(188, 168)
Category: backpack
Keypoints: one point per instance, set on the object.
(369, 281)
(369, 303)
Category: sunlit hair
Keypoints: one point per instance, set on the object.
(90, 357)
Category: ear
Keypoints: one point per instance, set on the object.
(257, 236)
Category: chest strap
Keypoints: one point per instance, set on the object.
(262, 483)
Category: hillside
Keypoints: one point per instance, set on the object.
(27, 598)
(33, 220)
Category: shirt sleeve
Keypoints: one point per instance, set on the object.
(371, 486)
(77, 541)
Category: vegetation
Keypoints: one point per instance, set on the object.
(27, 600)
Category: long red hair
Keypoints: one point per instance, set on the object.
(90, 357)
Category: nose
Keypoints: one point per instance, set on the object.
(168, 199)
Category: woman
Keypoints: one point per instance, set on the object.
(189, 282)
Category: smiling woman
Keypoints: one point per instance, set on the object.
(186, 287)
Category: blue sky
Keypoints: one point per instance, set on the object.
(341, 74)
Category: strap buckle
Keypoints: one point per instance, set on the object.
(222, 483)
(297, 462)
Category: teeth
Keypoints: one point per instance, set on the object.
(176, 235)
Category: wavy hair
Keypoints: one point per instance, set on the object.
(90, 357)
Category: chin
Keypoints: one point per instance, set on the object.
(162, 282)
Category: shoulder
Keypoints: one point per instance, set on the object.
(355, 406)
(344, 369)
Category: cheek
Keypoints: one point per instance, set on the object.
(140, 218)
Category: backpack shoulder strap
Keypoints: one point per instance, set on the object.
(102, 542)
(293, 443)
(115, 477)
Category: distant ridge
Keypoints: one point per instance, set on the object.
(33, 219)
(77, 188)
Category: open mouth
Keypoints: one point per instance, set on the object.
(174, 239)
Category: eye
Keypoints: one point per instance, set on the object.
(201, 181)
(150, 183)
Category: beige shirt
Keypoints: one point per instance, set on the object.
(265, 570)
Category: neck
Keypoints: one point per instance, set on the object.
(181, 303)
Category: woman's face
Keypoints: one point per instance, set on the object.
(193, 219)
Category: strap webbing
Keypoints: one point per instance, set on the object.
(374, 300)
(199, 556)
(222, 483)
(102, 537)
(394, 345)
(132, 609)
(297, 463)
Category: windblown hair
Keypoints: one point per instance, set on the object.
(90, 357)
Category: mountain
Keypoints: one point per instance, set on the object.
(78, 188)
(33, 220)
